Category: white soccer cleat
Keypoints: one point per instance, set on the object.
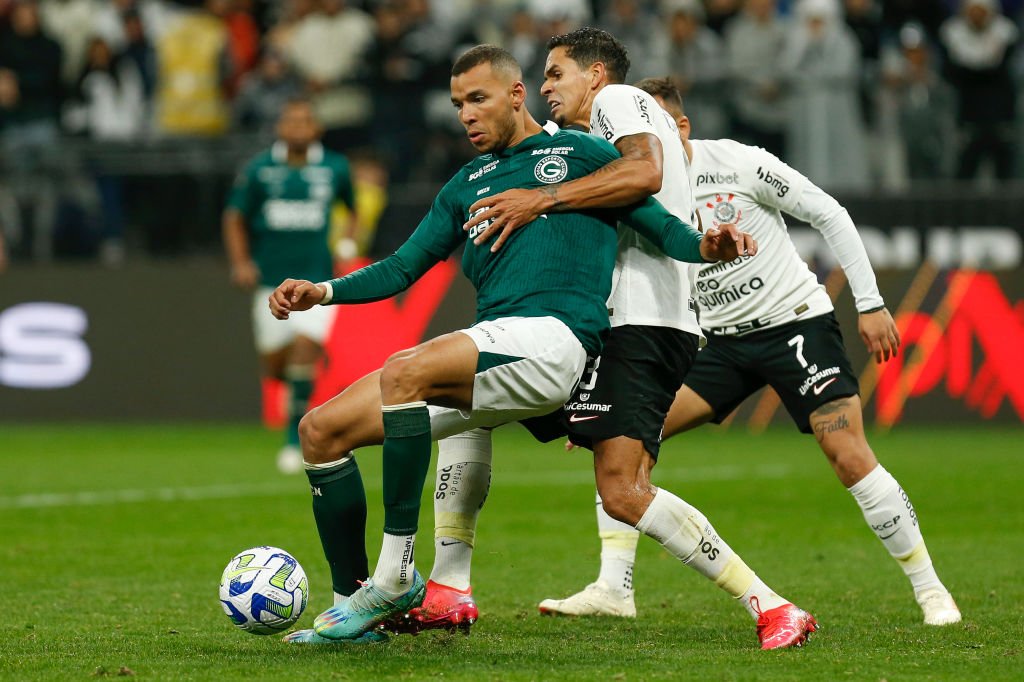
(939, 608)
(596, 599)
(289, 460)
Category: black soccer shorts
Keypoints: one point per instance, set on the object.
(626, 391)
(805, 362)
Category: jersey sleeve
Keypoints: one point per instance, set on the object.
(433, 240)
(773, 182)
(675, 238)
(827, 216)
(440, 232)
(619, 111)
(344, 189)
(780, 186)
(242, 197)
(383, 279)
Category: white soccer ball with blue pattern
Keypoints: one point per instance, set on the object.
(264, 590)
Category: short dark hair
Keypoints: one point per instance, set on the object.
(588, 45)
(499, 58)
(665, 88)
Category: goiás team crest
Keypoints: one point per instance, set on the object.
(551, 169)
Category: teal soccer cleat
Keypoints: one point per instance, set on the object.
(366, 609)
(310, 637)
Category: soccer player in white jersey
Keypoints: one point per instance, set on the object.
(618, 408)
(768, 321)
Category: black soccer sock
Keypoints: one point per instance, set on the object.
(406, 461)
(339, 508)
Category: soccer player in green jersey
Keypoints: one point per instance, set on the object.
(276, 225)
(619, 407)
(540, 312)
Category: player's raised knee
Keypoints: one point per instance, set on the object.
(402, 378)
(315, 437)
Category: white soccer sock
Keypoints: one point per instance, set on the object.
(891, 516)
(690, 537)
(453, 560)
(618, 550)
(395, 568)
(758, 598)
(460, 489)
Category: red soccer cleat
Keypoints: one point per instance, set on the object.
(443, 608)
(784, 626)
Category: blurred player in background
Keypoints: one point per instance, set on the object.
(276, 226)
(769, 322)
(619, 406)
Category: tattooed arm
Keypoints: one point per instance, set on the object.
(622, 182)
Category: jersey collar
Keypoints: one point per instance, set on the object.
(549, 128)
(279, 152)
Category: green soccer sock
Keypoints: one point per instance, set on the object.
(339, 508)
(300, 383)
(406, 461)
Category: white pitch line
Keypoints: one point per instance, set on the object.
(292, 486)
(89, 498)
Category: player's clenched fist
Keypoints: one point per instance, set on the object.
(726, 243)
(293, 295)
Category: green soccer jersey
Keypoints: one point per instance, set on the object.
(287, 210)
(562, 268)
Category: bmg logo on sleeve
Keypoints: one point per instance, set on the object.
(41, 346)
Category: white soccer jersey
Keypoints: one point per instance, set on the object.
(750, 187)
(648, 287)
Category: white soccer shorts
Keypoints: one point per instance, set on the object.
(272, 334)
(528, 366)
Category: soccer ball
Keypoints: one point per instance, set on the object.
(264, 590)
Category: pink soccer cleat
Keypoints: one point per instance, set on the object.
(784, 626)
(443, 608)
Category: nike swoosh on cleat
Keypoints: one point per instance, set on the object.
(822, 387)
(576, 418)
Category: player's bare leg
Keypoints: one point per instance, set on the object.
(612, 593)
(839, 429)
(688, 411)
(622, 468)
(389, 406)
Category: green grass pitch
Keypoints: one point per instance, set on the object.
(112, 541)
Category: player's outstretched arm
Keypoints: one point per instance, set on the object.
(621, 182)
(808, 202)
(880, 334)
(375, 282)
(293, 295)
(681, 241)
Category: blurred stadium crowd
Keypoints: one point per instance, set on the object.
(99, 97)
